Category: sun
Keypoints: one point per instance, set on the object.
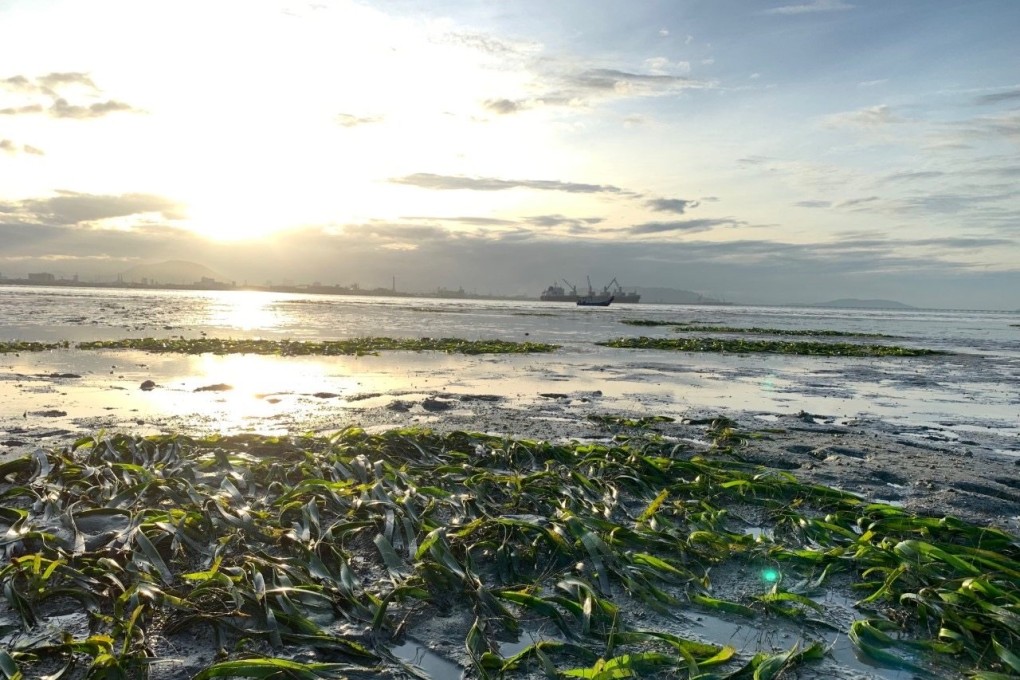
(221, 220)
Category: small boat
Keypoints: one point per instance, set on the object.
(594, 302)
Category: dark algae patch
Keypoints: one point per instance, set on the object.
(614, 422)
(768, 347)
(354, 346)
(690, 327)
(307, 557)
(26, 346)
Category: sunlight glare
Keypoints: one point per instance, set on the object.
(263, 386)
(245, 310)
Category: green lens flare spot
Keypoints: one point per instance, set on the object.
(770, 575)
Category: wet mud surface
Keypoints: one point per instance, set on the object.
(967, 466)
(964, 466)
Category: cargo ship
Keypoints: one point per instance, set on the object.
(557, 293)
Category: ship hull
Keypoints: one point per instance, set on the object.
(556, 293)
(631, 298)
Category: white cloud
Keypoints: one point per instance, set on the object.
(814, 6)
(871, 117)
(10, 147)
(350, 120)
(663, 66)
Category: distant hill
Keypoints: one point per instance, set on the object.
(174, 272)
(854, 303)
(674, 296)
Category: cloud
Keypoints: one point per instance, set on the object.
(468, 219)
(564, 82)
(428, 180)
(52, 86)
(80, 249)
(397, 231)
(72, 208)
(350, 120)
(55, 81)
(18, 84)
(951, 203)
(663, 66)
(671, 205)
(998, 97)
(574, 225)
(490, 44)
(915, 175)
(10, 147)
(857, 202)
(48, 84)
(873, 83)
(21, 110)
(624, 82)
(685, 226)
(1004, 171)
(812, 7)
(813, 204)
(951, 243)
(521, 227)
(563, 86)
(503, 106)
(993, 127)
(871, 117)
(62, 109)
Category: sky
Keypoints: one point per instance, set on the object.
(757, 151)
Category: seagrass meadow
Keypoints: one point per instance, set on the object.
(374, 345)
(325, 556)
(690, 326)
(741, 346)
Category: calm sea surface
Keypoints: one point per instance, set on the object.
(975, 389)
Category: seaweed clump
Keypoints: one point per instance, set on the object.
(265, 546)
(741, 346)
(353, 346)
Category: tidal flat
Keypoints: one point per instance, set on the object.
(586, 512)
(449, 515)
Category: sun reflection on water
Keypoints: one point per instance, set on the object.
(264, 387)
(246, 310)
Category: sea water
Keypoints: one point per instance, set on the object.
(971, 390)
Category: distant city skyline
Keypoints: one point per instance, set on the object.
(766, 151)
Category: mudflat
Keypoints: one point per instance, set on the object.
(735, 547)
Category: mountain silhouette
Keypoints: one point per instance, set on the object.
(173, 272)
